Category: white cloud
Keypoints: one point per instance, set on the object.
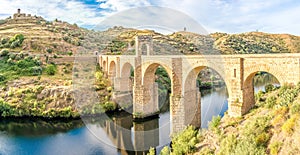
(71, 11)
(237, 16)
(120, 5)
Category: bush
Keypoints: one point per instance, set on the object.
(109, 106)
(16, 41)
(151, 151)
(49, 50)
(2, 78)
(295, 109)
(259, 95)
(165, 151)
(36, 70)
(50, 69)
(288, 126)
(269, 87)
(228, 144)
(271, 101)
(3, 53)
(214, 123)
(185, 141)
(275, 147)
(246, 146)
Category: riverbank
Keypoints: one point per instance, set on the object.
(45, 97)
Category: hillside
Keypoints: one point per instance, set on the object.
(271, 127)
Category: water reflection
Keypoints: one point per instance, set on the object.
(104, 135)
(127, 136)
(37, 127)
(213, 103)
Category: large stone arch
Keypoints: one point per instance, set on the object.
(112, 69)
(193, 72)
(150, 87)
(126, 82)
(104, 65)
(192, 95)
(149, 72)
(276, 72)
(248, 89)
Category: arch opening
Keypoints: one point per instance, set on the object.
(157, 78)
(112, 69)
(254, 83)
(123, 88)
(204, 84)
(104, 65)
(157, 81)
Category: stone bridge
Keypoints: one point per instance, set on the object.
(237, 72)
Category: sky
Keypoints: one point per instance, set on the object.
(230, 16)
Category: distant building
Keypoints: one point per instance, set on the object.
(23, 18)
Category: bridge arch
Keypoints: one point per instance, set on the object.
(248, 89)
(149, 72)
(126, 82)
(191, 76)
(126, 70)
(112, 69)
(104, 65)
(192, 96)
(151, 88)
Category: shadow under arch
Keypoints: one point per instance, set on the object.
(248, 89)
(193, 98)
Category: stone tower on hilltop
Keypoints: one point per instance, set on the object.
(21, 18)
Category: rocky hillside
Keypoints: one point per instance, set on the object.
(216, 43)
(271, 127)
(256, 43)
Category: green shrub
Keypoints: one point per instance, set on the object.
(2, 78)
(214, 123)
(269, 87)
(262, 139)
(271, 101)
(228, 144)
(49, 50)
(50, 69)
(70, 53)
(295, 109)
(5, 108)
(288, 126)
(4, 53)
(16, 41)
(109, 106)
(185, 141)
(151, 151)
(165, 151)
(259, 95)
(275, 148)
(247, 146)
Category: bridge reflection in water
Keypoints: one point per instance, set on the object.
(131, 137)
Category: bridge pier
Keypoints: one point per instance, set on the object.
(185, 111)
(145, 101)
(122, 94)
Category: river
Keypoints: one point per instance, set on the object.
(101, 135)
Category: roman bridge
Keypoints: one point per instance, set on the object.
(237, 72)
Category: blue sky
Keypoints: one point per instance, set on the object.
(231, 16)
